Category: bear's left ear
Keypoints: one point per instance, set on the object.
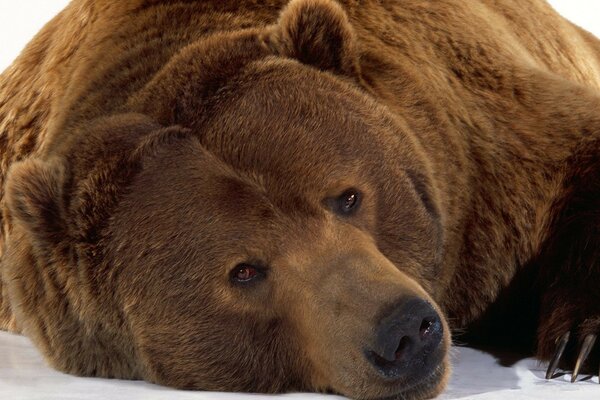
(34, 200)
(316, 33)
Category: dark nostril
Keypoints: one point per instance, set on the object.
(425, 329)
(402, 347)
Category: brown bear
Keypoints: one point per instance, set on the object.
(262, 196)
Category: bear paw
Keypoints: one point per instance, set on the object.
(569, 341)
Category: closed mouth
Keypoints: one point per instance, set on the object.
(418, 388)
(391, 370)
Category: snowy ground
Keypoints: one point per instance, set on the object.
(477, 375)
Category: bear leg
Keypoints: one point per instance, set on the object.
(570, 272)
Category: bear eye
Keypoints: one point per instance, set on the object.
(348, 202)
(245, 273)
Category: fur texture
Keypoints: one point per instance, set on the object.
(147, 147)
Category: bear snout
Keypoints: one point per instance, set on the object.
(408, 340)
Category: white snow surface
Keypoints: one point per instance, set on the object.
(476, 375)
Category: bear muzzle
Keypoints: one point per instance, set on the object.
(408, 342)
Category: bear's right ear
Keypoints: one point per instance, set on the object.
(34, 196)
(316, 33)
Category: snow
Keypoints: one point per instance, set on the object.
(476, 375)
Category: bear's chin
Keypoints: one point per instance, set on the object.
(425, 388)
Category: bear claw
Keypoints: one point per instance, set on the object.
(586, 347)
(562, 344)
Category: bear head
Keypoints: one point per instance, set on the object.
(254, 221)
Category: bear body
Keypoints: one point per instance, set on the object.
(478, 123)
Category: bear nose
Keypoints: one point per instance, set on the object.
(407, 340)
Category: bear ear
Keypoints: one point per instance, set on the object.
(316, 33)
(34, 198)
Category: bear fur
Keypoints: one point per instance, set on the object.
(148, 146)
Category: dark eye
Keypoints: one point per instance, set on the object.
(348, 202)
(244, 273)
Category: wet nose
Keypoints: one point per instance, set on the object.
(407, 339)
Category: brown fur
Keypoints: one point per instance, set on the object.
(150, 146)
